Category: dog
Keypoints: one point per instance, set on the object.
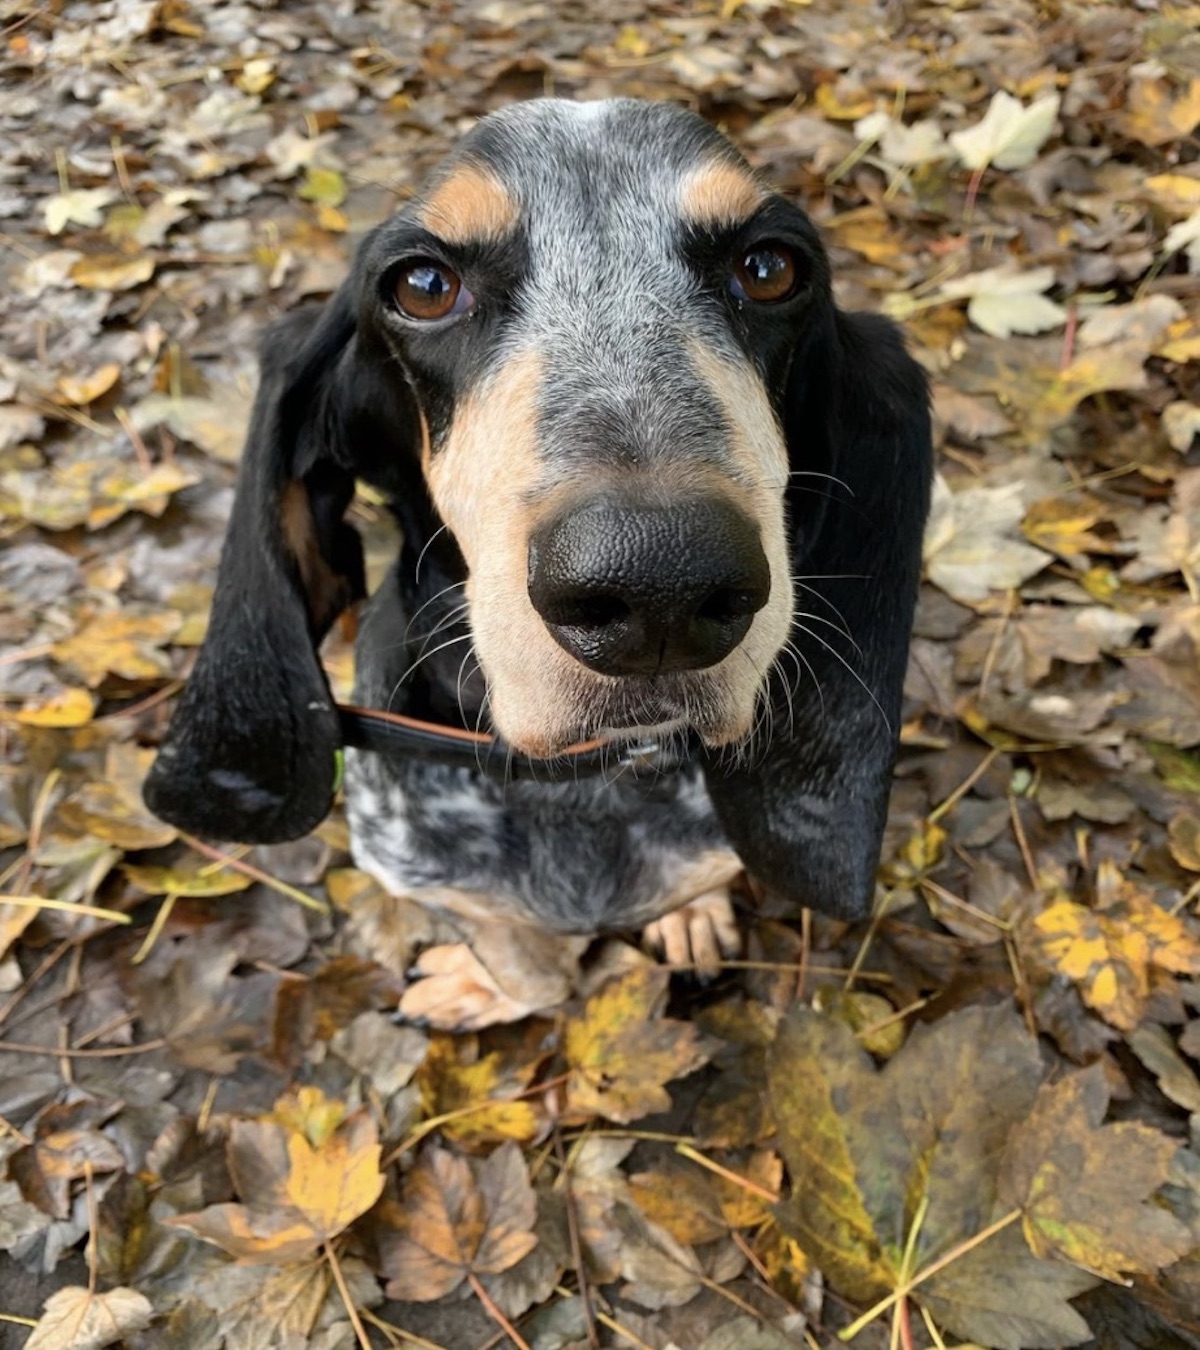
(656, 492)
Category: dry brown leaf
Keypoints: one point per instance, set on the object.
(456, 1220)
(80, 1319)
(1085, 1188)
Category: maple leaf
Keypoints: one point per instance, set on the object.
(304, 1174)
(1003, 301)
(1110, 952)
(1010, 134)
(80, 1319)
(123, 642)
(112, 809)
(455, 1077)
(84, 206)
(1084, 1188)
(971, 546)
(894, 1171)
(456, 1222)
(621, 1050)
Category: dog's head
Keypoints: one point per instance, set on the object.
(602, 359)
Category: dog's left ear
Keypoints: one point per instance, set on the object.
(251, 752)
(807, 813)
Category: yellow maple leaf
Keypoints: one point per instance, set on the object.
(454, 1078)
(1110, 952)
(303, 1173)
(121, 642)
(621, 1050)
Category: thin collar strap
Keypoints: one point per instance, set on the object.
(385, 733)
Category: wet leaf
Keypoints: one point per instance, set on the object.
(456, 1078)
(68, 707)
(909, 1159)
(1084, 1188)
(621, 1050)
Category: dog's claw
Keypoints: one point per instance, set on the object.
(701, 934)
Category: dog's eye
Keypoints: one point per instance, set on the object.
(429, 290)
(766, 273)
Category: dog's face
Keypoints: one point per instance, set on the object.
(598, 371)
(595, 306)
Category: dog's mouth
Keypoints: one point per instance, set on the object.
(649, 711)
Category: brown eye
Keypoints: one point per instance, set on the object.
(429, 290)
(765, 274)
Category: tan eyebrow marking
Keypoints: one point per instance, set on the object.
(472, 204)
(719, 193)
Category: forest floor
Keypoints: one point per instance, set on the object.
(974, 1120)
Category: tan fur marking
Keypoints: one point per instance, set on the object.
(719, 193)
(761, 462)
(490, 487)
(325, 592)
(471, 204)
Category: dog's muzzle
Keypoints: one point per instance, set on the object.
(631, 589)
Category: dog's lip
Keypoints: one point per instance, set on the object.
(652, 732)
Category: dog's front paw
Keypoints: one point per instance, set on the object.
(453, 990)
(699, 934)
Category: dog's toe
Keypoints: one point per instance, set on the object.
(699, 934)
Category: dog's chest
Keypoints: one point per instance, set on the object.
(571, 857)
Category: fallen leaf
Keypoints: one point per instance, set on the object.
(457, 1220)
(122, 642)
(1085, 1189)
(1154, 114)
(69, 707)
(1010, 134)
(111, 272)
(1003, 301)
(1110, 953)
(1153, 1045)
(84, 206)
(621, 1050)
(80, 1319)
(971, 543)
(906, 1160)
(79, 391)
(456, 1078)
(112, 809)
(304, 1174)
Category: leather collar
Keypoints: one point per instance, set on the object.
(372, 729)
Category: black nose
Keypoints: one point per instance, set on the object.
(634, 590)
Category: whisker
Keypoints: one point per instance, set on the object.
(423, 552)
(462, 637)
(858, 679)
(829, 623)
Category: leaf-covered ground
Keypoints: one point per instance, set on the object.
(974, 1120)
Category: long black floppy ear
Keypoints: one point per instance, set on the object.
(807, 814)
(250, 753)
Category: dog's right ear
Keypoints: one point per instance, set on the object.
(251, 752)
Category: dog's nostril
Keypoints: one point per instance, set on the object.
(588, 611)
(728, 605)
